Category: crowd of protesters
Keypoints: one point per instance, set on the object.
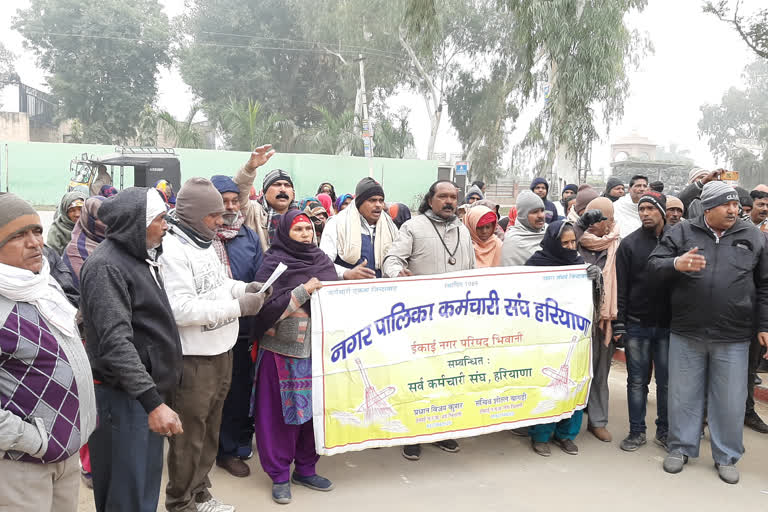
(147, 310)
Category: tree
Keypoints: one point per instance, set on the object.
(335, 135)
(752, 29)
(7, 69)
(574, 53)
(738, 127)
(102, 58)
(147, 129)
(183, 134)
(249, 125)
(285, 54)
(392, 136)
(458, 32)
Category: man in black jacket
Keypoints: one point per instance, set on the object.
(135, 352)
(717, 268)
(643, 319)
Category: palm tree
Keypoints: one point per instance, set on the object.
(393, 136)
(249, 125)
(182, 133)
(336, 135)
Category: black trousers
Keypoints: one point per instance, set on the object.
(755, 352)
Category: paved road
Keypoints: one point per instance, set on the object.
(500, 472)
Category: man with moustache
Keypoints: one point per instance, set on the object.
(358, 238)
(239, 250)
(278, 194)
(434, 242)
(674, 210)
(717, 268)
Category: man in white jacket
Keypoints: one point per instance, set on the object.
(206, 305)
(625, 208)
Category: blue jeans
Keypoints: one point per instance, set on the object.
(126, 457)
(715, 374)
(646, 348)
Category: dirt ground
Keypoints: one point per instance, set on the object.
(501, 472)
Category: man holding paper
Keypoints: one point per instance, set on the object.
(239, 249)
(206, 304)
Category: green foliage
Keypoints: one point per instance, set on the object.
(249, 125)
(738, 127)
(752, 29)
(587, 49)
(335, 134)
(7, 69)
(285, 54)
(392, 136)
(102, 57)
(147, 129)
(182, 134)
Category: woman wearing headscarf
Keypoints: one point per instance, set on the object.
(87, 234)
(598, 246)
(558, 248)
(327, 203)
(494, 207)
(327, 188)
(108, 191)
(283, 386)
(399, 213)
(481, 223)
(67, 213)
(166, 191)
(343, 201)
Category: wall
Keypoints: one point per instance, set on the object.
(14, 126)
(39, 172)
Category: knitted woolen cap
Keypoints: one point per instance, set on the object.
(15, 214)
(197, 199)
(716, 193)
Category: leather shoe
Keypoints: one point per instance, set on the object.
(234, 466)
(601, 433)
(755, 422)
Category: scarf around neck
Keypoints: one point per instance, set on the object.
(488, 252)
(349, 233)
(223, 235)
(43, 292)
(304, 261)
(609, 305)
(552, 252)
(190, 233)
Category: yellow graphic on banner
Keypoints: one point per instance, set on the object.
(428, 358)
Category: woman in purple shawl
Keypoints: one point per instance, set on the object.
(283, 386)
(87, 234)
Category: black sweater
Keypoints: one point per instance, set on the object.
(131, 335)
(642, 298)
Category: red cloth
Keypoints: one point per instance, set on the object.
(512, 215)
(300, 218)
(488, 218)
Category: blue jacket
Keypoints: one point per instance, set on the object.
(245, 256)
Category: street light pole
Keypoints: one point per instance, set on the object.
(367, 139)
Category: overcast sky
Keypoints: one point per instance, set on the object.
(697, 58)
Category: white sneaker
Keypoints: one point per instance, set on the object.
(214, 505)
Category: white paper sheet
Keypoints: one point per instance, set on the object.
(281, 267)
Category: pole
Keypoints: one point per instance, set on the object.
(367, 139)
